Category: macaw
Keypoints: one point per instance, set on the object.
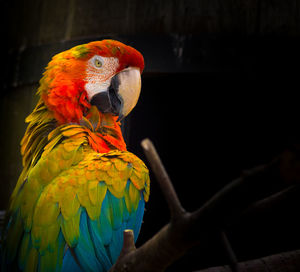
(80, 188)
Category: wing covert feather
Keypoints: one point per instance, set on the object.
(84, 200)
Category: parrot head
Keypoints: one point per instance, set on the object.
(106, 74)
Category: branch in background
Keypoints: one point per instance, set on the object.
(176, 209)
(188, 229)
(128, 244)
(289, 261)
(233, 261)
(272, 201)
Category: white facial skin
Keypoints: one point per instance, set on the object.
(99, 72)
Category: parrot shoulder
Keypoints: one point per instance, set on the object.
(72, 184)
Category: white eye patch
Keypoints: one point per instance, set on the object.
(99, 72)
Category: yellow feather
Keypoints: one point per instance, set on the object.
(46, 211)
(119, 186)
(112, 171)
(90, 175)
(39, 147)
(78, 156)
(93, 191)
(32, 260)
(119, 164)
(93, 211)
(138, 182)
(126, 156)
(49, 237)
(103, 176)
(117, 194)
(69, 203)
(69, 132)
(31, 191)
(134, 196)
(53, 167)
(97, 191)
(24, 249)
(68, 151)
(127, 200)
(70, 229)
(14, 236)
(54, 133)
(146, 193)
(91, 166)
(81, 178)
(103, 165)
(82, 194)
(49, 147)
(72, 132)
(45, 175)
(70, 127)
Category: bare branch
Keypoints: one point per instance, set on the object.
(233, 262)
(128, 243)
(272, 201)
(163, 179)
(289, 261)
(189, 229)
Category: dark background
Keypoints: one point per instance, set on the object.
(219, 95)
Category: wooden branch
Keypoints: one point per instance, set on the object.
(188, 229)
(272, 201)
(176, 209)
(289, 261)
(233, 262)
(128, 243)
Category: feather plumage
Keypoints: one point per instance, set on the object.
(79, 188)
(74, 192)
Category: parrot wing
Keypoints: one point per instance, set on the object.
(71, 211)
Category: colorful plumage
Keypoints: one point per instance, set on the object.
(80, 187)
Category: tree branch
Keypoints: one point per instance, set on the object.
(289, 260)
(128, 243)
(176, 209)
(233, 262)
(188, 229)
(272, 201)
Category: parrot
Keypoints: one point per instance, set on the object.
(79, 188)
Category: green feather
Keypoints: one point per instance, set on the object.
(70, 229)
(80, 51)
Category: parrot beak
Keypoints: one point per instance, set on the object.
(122, 94)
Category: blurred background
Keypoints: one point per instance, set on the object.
(219, 95)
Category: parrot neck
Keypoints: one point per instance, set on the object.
(101, 131)
(104, 131)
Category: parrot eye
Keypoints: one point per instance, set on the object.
(98, 63)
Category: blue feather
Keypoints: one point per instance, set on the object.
(136, 218)
(126, 213)
(101, 241)
(101, 253)
(116, 207)
(69, 263)
(139, 218)
(105, 222)
(85, 249)
(50, 260)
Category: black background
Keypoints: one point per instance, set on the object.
(207, 132)
(226, 103)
